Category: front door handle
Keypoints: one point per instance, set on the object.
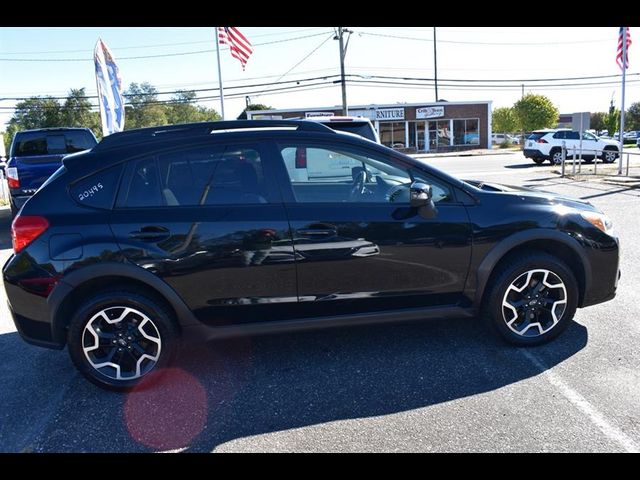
(151, 233)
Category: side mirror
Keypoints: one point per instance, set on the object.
(419, 194)
(420, 197)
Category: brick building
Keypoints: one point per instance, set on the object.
(414, 127)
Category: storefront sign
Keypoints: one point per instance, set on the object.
(319, 114)
(430, 112)
(369, 113)
(390, 114)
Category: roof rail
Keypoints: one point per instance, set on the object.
(185, 130)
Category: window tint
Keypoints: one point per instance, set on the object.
(52, 143)
(536, 135)
(560, 135)
(320, 175)
(573, 135)
(98, 190)
(199, 176)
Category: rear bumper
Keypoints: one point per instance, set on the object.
(35, 332)
(533, 153)
(19, 200)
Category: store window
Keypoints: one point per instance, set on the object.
(392, 134)
(466, 132)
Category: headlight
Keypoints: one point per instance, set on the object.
(598, 220)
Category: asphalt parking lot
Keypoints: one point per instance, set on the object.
(435, 386)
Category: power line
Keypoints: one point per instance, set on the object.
(382, 77)
(503, 44)
(160, 55)
(84, 50)
(305, 57)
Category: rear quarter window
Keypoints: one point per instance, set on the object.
(99, 189)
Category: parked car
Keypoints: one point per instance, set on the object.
(167, 232)
(36, 154)
(631, 136)
(498, 138)
(546, 144)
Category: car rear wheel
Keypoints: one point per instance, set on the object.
(118, 337)
(531, 299)
(609, 155)
(538, 160)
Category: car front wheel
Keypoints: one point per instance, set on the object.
(531, 299)
(118, 337)
(609, 155)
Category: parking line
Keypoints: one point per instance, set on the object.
(578, 401)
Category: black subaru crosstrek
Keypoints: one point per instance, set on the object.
(226, 228)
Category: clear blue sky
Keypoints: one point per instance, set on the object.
(463, 53)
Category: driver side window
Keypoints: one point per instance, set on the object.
(333, 175)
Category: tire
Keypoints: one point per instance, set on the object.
(538, 160)
(610, 154)
(553, 310)
(555, 156)
(138, 325)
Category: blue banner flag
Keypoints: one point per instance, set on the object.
(109, 84)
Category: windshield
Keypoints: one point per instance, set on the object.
(51, 142)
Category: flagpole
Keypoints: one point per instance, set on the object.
(220, 75)
(624, 75)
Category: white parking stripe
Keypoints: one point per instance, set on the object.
(584, 406)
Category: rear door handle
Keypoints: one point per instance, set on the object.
(151, 233)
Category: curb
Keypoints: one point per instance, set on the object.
(470, 153)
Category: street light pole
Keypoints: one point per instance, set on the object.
(342, 78)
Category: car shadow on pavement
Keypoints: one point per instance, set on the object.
(231, 389)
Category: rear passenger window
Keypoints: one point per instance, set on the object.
(97, 190)
(200, 176)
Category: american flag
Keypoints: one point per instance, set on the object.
(238, 44)
(619, 56)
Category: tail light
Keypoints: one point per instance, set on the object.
(541, 140)
(12, 177)
(301, 157)
(25, 229)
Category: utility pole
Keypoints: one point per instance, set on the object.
(343, 51)
(435, 62)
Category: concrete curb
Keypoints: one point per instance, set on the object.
(468, 153)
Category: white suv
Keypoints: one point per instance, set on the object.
(544, 145)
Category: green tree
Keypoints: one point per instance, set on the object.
(632, 117)
(144, 110)
(76, 112)
(37, 112)
(504, 120)
(598, 121)
(253, 106)
(535, 111)
(612, 120)
(182, 109)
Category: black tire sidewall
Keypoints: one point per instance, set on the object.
(538, 161)
(493, 304)
(153, 309)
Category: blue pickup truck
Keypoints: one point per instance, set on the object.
(36, 154)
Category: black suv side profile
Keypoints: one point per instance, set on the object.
(217, 229)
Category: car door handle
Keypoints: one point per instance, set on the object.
(151, 234)
(316, 232)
